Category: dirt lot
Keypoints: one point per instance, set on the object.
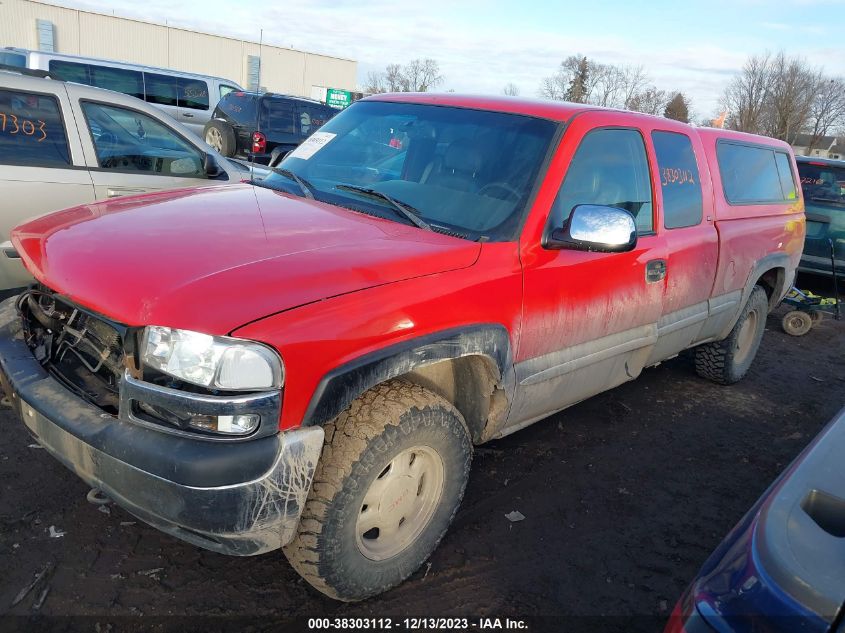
(624, 496)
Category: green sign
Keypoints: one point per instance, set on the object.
(338, 98)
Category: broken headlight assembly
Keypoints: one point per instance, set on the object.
(214, 362)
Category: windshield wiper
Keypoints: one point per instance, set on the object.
(306, 187)
(405, 210)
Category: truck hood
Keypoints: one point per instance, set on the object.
(214, 258)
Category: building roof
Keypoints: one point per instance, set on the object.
(824, 142)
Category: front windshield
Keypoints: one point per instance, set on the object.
(469, 172)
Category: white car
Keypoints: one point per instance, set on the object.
(64, 144)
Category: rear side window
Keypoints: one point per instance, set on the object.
(32, 132)
(823, 184)
(682, 203)
(749, 174)
(12, 59)
(278, 115)
(160, 89)
(312, 117)
(70, 71)
(129, 82)
(193, 93)
(787, 182)
(609, 168)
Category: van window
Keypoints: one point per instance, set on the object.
(160, 89)
(129, 141)
(129, 82)
(12, 59)
(193, 93)
(749, 173)
(610, 168)
(32, 132)
(70, 71)
(224, 90)
(678, 172)
(787, 182)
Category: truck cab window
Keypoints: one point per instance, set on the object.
(609, 168)
(678, 173)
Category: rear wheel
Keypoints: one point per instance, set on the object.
(727, 361)
(221, 137)
(391, 477)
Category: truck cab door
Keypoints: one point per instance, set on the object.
(692, 242)
(589, 318)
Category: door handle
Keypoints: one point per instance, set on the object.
(117, 192)
(655, 271)
(187, 115)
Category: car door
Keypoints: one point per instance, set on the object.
(130, 151)
(692, 242)
(42, 167)
(194, 109)
(590, 318)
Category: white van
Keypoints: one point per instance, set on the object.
(187, 97)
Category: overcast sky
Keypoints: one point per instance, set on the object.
(689, 45)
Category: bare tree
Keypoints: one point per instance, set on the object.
(395, 78)
(419, 75)
(745, 98)
(375, 83)
(649, 101)
(511, 90)
(827, 113)
(793, 89)
(582, 80)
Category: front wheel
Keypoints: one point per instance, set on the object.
(727, 361)
(391, 477)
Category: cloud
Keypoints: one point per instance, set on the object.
(478, 51)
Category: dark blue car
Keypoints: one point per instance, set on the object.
(782, 568)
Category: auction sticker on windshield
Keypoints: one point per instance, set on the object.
(312, 145)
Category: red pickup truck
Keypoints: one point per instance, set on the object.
(306, 362)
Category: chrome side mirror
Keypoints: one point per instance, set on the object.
(592, 227)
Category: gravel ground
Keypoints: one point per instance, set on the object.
(624, 496)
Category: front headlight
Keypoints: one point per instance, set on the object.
(216, 362)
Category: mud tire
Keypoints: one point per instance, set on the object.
(727, 361)
(359, 444)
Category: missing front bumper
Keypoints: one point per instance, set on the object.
(239, 498)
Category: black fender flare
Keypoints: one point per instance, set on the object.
(341, 386)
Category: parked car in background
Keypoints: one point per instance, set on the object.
(823, 183)
(306, 363)
(187, 97)
(263, 126)
(63, 144)
(782, 568)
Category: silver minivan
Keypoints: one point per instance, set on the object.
(189, 98)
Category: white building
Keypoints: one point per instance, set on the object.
(39, 26)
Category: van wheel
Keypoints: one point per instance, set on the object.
(220, 136)
(388, 484)
(727, 361)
